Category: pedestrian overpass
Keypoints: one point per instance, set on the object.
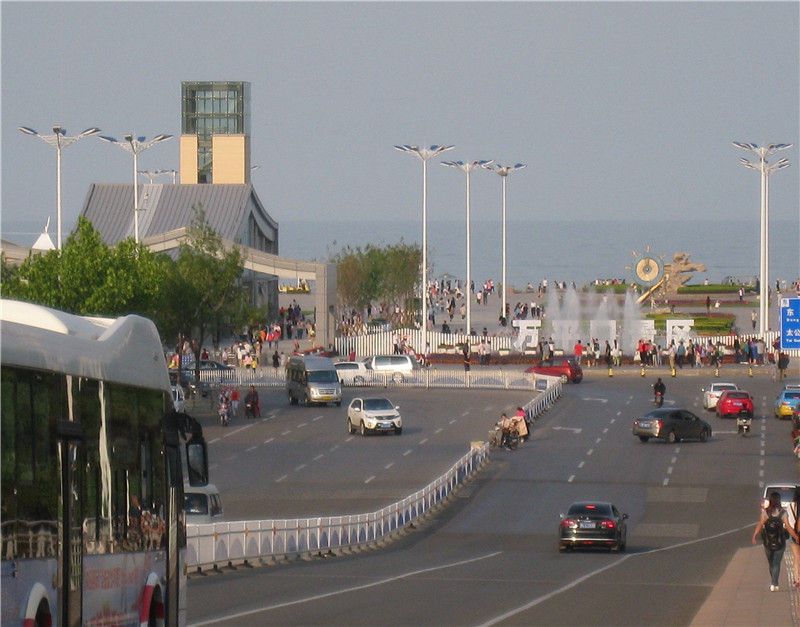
(261, 263)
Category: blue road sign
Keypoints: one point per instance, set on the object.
(790, 323)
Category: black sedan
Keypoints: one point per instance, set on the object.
(592, 524)
(671, 425)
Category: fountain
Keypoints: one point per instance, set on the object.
(599, 317)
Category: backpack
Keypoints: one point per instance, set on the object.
(773, 533)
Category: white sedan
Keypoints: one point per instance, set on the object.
(373, 415)
(352, 372)
(714, 391)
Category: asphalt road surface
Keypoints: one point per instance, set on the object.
(491, 556)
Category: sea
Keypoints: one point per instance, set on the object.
(579, 252)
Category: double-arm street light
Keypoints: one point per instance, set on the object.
(766, 169)
(424, 154)
(135, 145)
(59, 140)
(468, 168)
(504, 171)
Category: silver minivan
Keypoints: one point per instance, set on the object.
(312, 379)
(396, 367)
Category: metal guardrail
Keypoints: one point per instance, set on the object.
(263, 541)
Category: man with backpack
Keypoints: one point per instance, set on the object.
(775, 526)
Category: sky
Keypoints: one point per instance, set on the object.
(619, 110)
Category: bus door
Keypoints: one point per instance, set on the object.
(70, 576)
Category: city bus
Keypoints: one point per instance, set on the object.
(94, 460)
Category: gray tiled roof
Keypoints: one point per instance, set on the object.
(166, 207)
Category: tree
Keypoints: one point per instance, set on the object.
(88, 278)
(386, 275)
(202, 288)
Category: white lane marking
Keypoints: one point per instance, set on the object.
(252, 448)
(370, 478)
(300, 467)
(318, 457)
(571, 479)
(286, 432)
(598, 440)
(439, 430)
(581, 464)
(423, 440)
(389, 465)
(408, 452)
(279, 479)
(317, 597)
(301, 425)
(590, 451)
(268, 440)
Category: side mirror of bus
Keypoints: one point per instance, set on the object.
(197, 462)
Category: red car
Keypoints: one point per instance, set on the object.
(733, 403)
(565, 369)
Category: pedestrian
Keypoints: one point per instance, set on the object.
(235, 401)
(753, 318)
(774, 520)
(276, 361)
(578, 350)
(466, 357)
(794, 510)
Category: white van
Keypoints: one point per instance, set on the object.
(312, 379)
(202, 505)
(396, 367)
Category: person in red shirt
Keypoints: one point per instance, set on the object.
(578, 352)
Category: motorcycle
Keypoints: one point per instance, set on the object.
(743, 422)
(224, 414)
(250, 410)
(658, 399)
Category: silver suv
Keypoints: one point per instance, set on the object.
(397, 367)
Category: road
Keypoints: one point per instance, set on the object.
(491, 556)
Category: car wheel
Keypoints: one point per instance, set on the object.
(398, 430)
(338, 403)
(671, 437)
(564, 378)
(359, 380)
(643, 438)
(704, 435)
(292, 400)
(350, 428)
(362, 428)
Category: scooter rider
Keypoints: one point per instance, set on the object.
(659, 389)
(252, 401)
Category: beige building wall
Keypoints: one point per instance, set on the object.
(231, 159)
(188, 159)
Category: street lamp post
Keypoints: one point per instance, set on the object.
(135, 145)
(504, 171)
(424, 154)
(468, 168)
(766, 169)
(59, 140)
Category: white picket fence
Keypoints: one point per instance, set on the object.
(263, 541)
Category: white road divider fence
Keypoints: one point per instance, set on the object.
(234, 543)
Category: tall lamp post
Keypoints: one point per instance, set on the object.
(766, 169)
(135, 145)
(424, 154)
(468, 168)
(504, 171)
(59, 140)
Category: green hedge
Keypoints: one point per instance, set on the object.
(715, 324)
(716, 288)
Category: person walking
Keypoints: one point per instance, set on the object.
(774, 520)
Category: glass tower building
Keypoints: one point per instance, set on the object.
(215, 132)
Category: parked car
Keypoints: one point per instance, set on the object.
(373, 415)
(191, 387)
(565, 369)
(397, 367)
(592, 524)
(202, 505)
(786, 401)
(178, 399)
(734, 403)
(671, 425)
(352, 372)
(712, 394)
